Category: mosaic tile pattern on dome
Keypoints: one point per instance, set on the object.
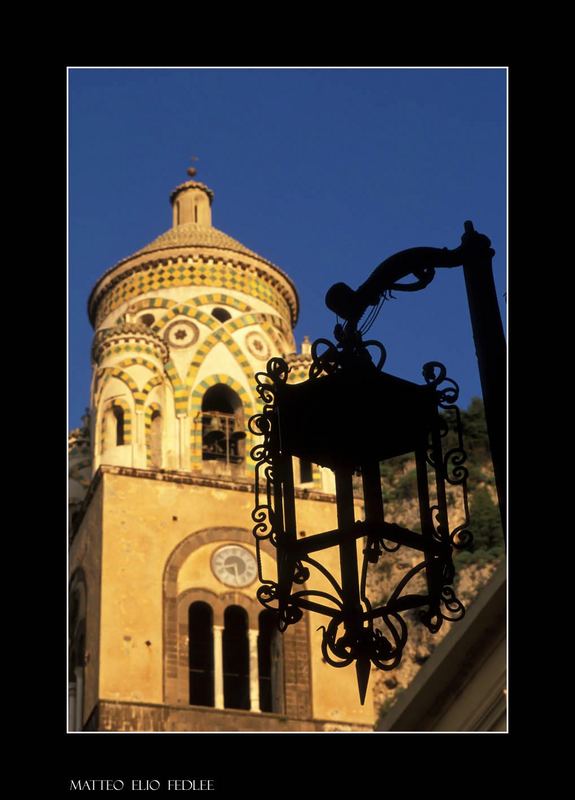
(189, 273)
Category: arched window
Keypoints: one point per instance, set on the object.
(221, 314)
(236, 658)
(270, 663)
(114, 427)
(223, 434)
(147, 319)
(119, 418)
(201, 654)
(156, 439)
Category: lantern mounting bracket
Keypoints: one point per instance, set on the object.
(421, 262)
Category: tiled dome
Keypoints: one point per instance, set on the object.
(193, 237)
(192, 234)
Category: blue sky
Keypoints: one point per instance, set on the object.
(325, 172)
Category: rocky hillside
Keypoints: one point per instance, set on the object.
(474, 568)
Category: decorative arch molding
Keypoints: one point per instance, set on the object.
(174, 309)
(218, 603)
(189, 307)
(157, 380)
(129, 347)
(212, 380)
(199, 594)
(105, 375)
(221, 299)
(179, 389)
(175, 653)
(270, 328)
(258, 318)
(192, 308)
(139, 395)
(296, 654)
(198, 539)
(196, 407)
(221, 335)
(185, 310)
(137, 361)
(144, 305)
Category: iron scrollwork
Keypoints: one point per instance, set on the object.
(356, 631)
(453, 469)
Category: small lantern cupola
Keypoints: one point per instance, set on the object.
(192, 202)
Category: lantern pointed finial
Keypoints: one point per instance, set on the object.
(362, 670)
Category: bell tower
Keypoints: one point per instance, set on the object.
(181, 327)
(167, 632)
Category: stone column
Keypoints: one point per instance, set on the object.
(218, 667)
(254, 672)
(183, 422)
(139, 440)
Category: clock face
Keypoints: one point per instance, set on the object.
(234, 565)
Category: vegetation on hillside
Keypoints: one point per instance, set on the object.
(399, 481)
(473, 567)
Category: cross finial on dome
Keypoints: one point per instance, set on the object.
(192, 171)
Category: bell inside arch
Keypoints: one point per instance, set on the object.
(223, 432)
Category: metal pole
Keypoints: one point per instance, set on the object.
(491, 352)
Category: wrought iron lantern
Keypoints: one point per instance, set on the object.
(390, 417)
(310, 420)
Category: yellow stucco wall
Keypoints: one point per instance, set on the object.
(144, 520)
